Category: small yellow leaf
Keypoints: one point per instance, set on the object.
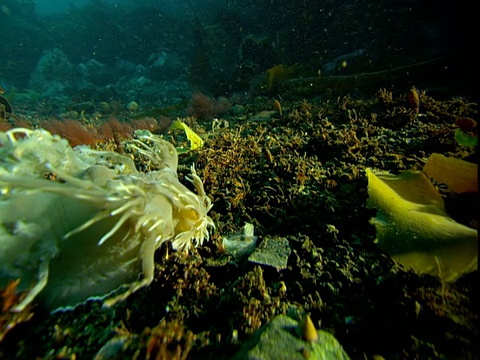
(196, 141)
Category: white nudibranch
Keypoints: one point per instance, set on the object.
(93, 231)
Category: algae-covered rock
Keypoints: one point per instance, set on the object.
(280, 339)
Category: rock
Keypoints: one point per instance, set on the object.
(95, 72)
(54, 74)
(237, 110)
(273, 251)
(263, 116)
(112, 349)
(279, 339)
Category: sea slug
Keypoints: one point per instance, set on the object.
(77, 223)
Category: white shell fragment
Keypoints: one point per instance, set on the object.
(241, 244)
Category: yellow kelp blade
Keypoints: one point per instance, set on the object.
(413, 227)
(196, 141)
(459, 175)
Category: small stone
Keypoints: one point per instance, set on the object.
(237, 110)
(132, 106)
(263, 116)
(104, 107)
(112, 349)
(273, 251)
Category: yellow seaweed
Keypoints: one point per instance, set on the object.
(459, 175)
(196, 142)
(279, 73)
(414, 228)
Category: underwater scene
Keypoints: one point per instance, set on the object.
(239, 179)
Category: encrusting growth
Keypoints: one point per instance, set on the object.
(80, 223)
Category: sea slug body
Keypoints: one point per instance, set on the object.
(77, 223)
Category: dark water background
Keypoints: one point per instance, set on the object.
(222, 47)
